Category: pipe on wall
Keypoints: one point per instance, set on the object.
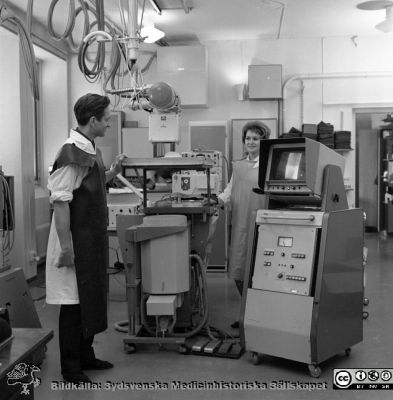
(325, 75)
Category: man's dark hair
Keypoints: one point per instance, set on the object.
(257, 127)
(90, 105)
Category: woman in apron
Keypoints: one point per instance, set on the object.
(242, 200)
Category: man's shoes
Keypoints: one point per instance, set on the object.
(235, 325)
(97, 364)
(76, 377)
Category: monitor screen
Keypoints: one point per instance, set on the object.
(288, 164)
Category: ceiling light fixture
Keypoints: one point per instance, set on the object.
(150, 34)
(387, 25)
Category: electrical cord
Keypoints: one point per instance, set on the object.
(115, 64)
(91, 73)
(39, 298)
(70, 22)
(26, 45)
(201, 305)
(29, 15)
(7, 233)
(144, 317)
(122, 326)
(101, 27)
(86, 26)
(204, 304)
(93, 67)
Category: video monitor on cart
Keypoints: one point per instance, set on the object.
(295, 166)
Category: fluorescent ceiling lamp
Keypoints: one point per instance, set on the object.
(151, 34)
(387, 25)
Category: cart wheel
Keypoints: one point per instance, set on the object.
(256, 358)
(129, 348)
(315, 370)
(348, 351)
(183, 349)
(366, 301)
(365, 314)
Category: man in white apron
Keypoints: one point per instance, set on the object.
(76, 261)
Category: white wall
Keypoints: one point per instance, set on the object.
(55, 108)
(227, 65)
(11, 142)
(328, 100)
(27, 188)
(17, 140)
(9, 103)
(54, 131)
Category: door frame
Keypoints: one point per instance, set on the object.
(370, 110)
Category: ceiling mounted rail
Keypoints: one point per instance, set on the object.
(161, 5)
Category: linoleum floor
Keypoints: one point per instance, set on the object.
(162, 366)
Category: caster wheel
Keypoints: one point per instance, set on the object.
(183, 349)
(129, 348)
(348, 351)
(314, 370)
(256, 358)
(366, 301)
(365, 314)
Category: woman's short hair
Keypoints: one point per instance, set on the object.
(257, 127)
(90, 105)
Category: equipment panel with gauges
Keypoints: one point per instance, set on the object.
(285, 252)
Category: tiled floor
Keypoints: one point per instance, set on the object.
(162, 366)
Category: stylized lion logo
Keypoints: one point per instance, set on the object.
(23, 374)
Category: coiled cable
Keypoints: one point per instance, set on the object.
(70, 22)
(86, 25)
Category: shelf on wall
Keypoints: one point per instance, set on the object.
(343, 150)
(380, 104)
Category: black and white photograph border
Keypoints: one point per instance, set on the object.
(336, 69)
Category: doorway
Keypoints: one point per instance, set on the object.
(370, 156)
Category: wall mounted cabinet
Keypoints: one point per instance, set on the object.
(264, 82)
(185, 69)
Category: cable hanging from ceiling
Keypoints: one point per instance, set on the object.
(26, 46)
(120, 76)
(98, 61)
(91, 63)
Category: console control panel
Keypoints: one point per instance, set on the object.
(285, 255)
